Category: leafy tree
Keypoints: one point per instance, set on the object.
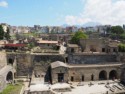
(1, 33)
(117, 30)
(121, 47)
(7, 34)
(31, 45)
(108, 29)
(77, 36)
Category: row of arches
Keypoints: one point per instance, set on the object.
(112, 75)
(103, 75)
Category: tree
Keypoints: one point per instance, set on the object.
(31, 45)
(77, 36)
(7, 34)
(121, 47)
(1, 32)
(117, 30)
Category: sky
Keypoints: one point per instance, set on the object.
(59, 12)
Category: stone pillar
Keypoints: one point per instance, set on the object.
(96, 77)
(119, 71)
(107, 75)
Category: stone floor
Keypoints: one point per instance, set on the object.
(99, 87)
(95, 87)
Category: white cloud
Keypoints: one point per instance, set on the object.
(102, 11)
(73, 20)
(3, 4)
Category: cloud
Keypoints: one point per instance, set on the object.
(73, 20)
(3, 4)
(102, 11)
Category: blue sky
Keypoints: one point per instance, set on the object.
(43, 12)
(59, 12)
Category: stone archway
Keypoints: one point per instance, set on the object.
(103, 75)
(113, 74)
(9, 76)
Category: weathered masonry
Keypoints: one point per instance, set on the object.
(62, 72)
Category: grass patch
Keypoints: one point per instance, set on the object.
(12, 89)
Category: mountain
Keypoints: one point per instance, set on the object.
(91, 24)
(65, 25)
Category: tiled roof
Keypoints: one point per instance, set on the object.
(15, 45)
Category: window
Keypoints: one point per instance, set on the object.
(92, 77)
(11, 61)
(72, 78)
(82, 78)
(103, 49)
(114, 50)
(72, 50)
(66, 59)
(108, 50)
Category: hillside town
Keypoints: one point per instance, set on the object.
(62, 60)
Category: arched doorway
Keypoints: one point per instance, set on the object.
(113, 74)
(10, 61)
(9, 76)
(103, 75)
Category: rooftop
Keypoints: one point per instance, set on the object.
(94, 65)
(72, 45)
(15, 45)
(58, 64)
(47, 42)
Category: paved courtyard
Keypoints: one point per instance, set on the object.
(95, 87)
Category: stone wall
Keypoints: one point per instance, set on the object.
(91, 58)
(77, 73)
(56, 71)
(46, 58)
(45, 61)
(88, 44)
(23, 63)
(26, 62)
(3, 59)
